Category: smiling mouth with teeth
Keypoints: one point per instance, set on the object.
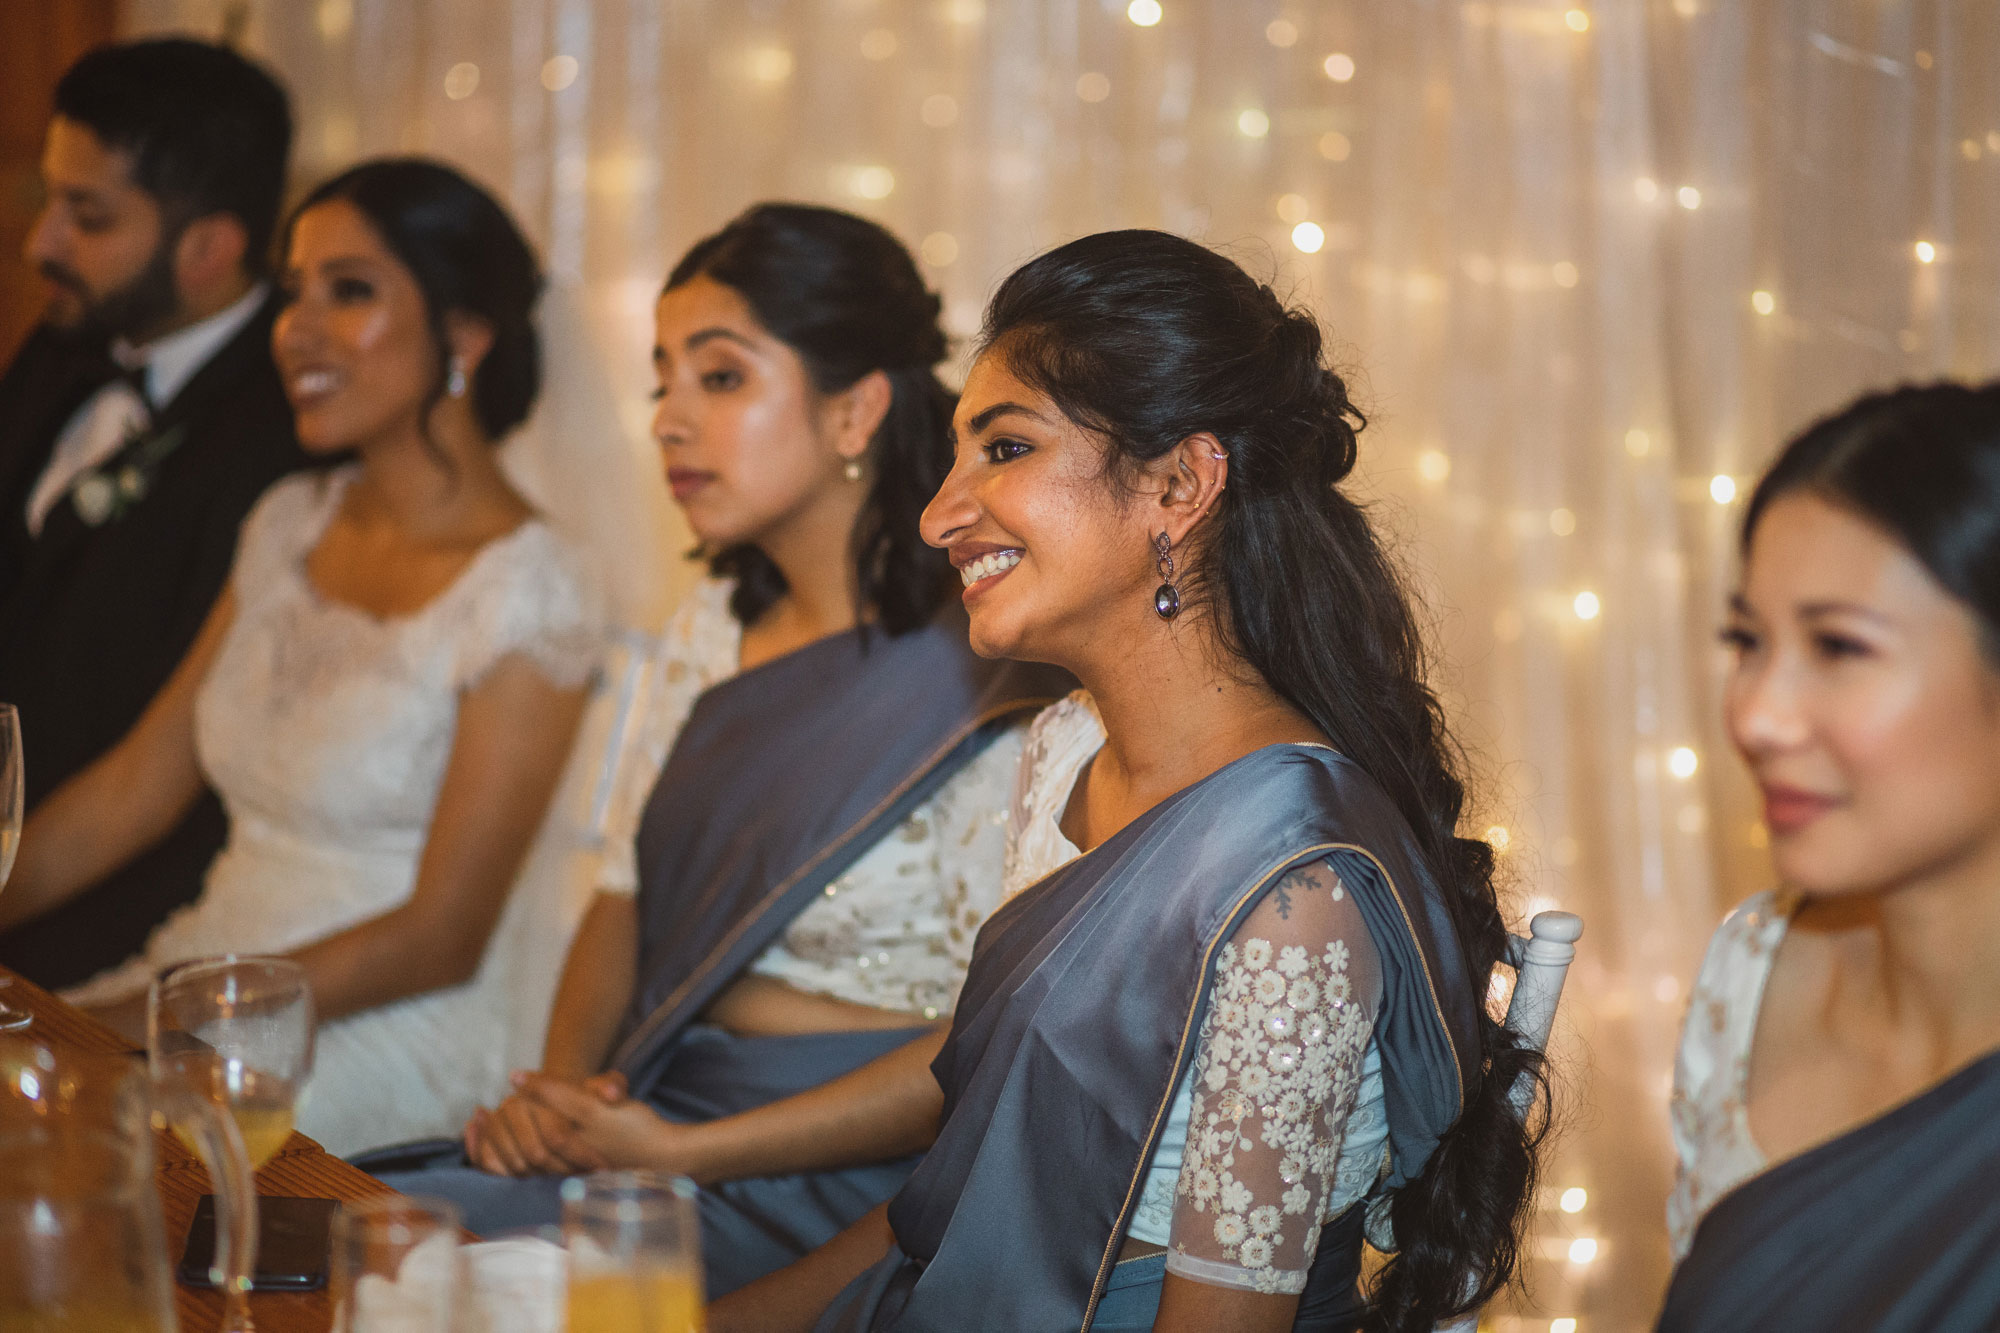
(312, 382)
(986, 566)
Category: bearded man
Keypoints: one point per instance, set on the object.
(138, 423)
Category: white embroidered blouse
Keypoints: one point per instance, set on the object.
(1713, 1148)
(895, 931)
(1279, 1124)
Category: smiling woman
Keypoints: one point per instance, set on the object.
(1840, 1071)
(387, 688)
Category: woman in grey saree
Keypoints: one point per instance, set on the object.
(1237, 1009)
(1837, 1091)
(805, 830)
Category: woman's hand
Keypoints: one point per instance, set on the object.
(612, 1127)
(521, 1137)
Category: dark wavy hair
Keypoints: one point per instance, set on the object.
(468, 258)
(845, 295)
(1922, 463)
(208, 130)
(1147, 339)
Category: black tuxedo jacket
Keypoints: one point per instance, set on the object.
(93, 619)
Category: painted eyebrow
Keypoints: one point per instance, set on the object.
(719, 333)
(986, 418)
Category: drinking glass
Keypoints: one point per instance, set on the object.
(11, 1019)
(634, 1240)
(395, 1265)
(235, 1035)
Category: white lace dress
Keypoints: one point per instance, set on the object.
(894, 931)
(1713, 1148)
(1279, 1124)
(326, 732)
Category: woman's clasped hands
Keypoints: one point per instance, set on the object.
(562, 1126)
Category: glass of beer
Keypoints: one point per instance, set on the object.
(634, 1241)
(232, 1036)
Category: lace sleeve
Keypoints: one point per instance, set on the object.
(1275, 1077)
(531, 599)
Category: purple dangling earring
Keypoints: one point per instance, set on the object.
(1167, 601)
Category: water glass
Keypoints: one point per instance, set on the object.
(396, 1266)
(634, 1241)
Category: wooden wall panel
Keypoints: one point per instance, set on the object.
(38, 40)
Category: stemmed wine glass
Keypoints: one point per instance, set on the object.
(230, 1043)
(11, 1019)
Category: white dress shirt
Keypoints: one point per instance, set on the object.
(112, 415)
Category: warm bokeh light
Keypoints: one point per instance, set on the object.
(1722, 488)
(1926, 252)
(1763, 302)
(1308, 237)
(1498, 837)
(1433, 466)
(1145, 13)
(1573, 1199)
(1638, 443)
(1587, 606)
(939, 110)
(1688, 197)
(1582, 1250)
(1562, 522)
(1093, 87)
(1577, 20)
(559, 73)
(939, 249)
(1564, 1325)
(461, 81)
(872, 182)
(1646, 188)
(1564, 273)
(1280, 33)
(878, 44)
(1339, 66)
(1293, 208)
(1335, 146)
(769, 64)
(1682, 762)
(1252, 123)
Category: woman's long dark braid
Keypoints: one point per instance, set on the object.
(1149, 339)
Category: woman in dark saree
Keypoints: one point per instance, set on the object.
(1238, 1011)
(815, 766)
(1837, 1093)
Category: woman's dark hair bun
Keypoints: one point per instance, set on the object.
(468, 258)
(845, 295)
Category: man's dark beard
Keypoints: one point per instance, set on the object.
(135, 310)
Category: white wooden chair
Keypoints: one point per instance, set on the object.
(1541, 963)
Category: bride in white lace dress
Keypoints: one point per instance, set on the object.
(386, 691)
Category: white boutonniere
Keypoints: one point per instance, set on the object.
(104, 493)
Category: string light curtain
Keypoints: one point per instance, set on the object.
(1589, 265)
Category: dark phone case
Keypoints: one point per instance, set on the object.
(293, 1236)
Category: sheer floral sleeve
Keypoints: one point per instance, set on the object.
(1275, 1077)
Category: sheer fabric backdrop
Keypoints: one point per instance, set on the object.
(1589, 265)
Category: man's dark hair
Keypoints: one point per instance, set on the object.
(208, 130)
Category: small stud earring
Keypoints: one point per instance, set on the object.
(1167, 599)
(454, 383)
(853, 469)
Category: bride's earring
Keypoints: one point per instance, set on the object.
(853, 470)
(454, 383)
(1166, 601)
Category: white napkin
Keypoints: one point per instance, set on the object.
(514, 1286)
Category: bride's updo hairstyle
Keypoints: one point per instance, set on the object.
(845, 296)
(1146, 339)
(1922, 463)
(468, 258)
